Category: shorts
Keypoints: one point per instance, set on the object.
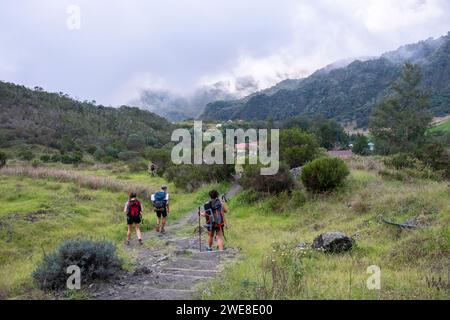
(160, 214)
(133, 220)
(214, 230)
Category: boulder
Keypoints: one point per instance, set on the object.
(333, 242)
(296, 172)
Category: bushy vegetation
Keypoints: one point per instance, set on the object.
(297, 147)
(324, 174)
(68, 128)
(361, 145)
(191, 177)
(96, 260)
(329, 133)
(272, 184)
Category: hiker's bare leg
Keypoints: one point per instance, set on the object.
(210, 239)
(129, 232)
(164, 221)
(220, 240)
(158, 222)
(138, 231)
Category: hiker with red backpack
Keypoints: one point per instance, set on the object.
(214, 212)
(160, 201)
(133, 209)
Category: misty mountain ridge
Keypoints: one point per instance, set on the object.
(177, 107)
(346, 90)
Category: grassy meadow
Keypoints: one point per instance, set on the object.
(41, 207)
(415, 264)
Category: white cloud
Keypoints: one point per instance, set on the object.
(128, 45)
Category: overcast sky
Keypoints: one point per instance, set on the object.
(126, 45)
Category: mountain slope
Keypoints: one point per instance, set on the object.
(57, 121)
(349, 93)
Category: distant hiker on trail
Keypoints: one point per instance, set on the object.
(215, 219)
(160, 202)
(152, 169)
(133, 208)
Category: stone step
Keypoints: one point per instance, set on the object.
(186, 263)
(184, 271)
(151, 293)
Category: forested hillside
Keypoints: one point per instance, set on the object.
(57, 121)
(347, 94)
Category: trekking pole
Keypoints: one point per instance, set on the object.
(199, 232)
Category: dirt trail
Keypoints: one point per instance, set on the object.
(169, 266)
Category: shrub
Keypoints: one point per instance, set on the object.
(128, 155)
(250, 196)
(36, 163)
(3, 159)
(361, 145)
(137, 165)
(400, 161)
(190, 177)
(45, 158)
(280, 182)
(298, 199)
(91, 149)
(324, 174)
(278, 203)
(26, 154)
(97, 260)
(298, 147)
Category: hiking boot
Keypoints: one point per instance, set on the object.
(209, 249)
(157, 229)
(163, 230)
(140, 242)
(127, 242)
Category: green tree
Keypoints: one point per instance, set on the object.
(361, 145)
(297, 147)
(399, 122)
(135, 142)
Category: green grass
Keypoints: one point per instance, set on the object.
(442, 128)
(408, 259)
(36, 215)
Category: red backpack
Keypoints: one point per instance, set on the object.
(134, 208)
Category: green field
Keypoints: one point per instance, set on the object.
(442, 128)
(38, 214)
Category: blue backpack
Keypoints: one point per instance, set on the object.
(160, 202)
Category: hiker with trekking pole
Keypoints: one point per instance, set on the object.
(160, 201)
(214, 212)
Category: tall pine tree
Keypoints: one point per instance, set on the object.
(399, 122)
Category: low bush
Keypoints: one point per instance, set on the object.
(26, 155)
(97, 260)
(137, 165)
(45, 158)
(298, 199)
(324, 174)
(191, 177)
(274, 184)
(36, 163)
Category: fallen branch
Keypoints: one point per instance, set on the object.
(400, 225)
